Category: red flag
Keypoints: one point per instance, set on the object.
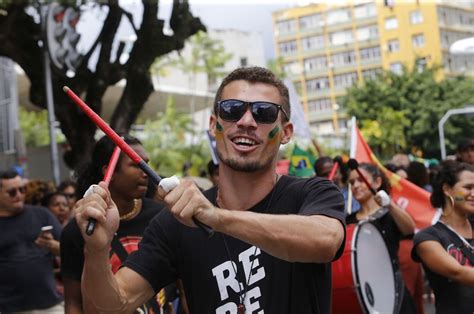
(407, 195)
(283, 166)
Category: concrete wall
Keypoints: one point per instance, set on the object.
(38, 163)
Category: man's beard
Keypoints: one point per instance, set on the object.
(243, 166)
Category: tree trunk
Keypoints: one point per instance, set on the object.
(20, 36)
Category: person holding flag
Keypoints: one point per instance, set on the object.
(387, 216)
(446, 249)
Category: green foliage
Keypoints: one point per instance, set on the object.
(208, 56)
(276, 66)
(167, 140)
(35, 129)
(401, 112)
(387, 133)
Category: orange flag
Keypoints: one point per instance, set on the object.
(407, 195)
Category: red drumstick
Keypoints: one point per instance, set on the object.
(105, 127)
(111, 167)
(107, 177)
(335, 166)
(124, 146)
(354, 165)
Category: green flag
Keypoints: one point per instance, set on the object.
(301, 163)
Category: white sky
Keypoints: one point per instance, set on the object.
(244, 15)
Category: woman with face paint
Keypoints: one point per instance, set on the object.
(446, 248)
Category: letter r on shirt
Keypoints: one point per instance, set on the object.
(225, 277)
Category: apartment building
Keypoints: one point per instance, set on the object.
(327, 47)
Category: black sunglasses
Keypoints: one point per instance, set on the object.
(14, 191)
(70, 195)
(265, 112)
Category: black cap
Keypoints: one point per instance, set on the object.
(465, 144)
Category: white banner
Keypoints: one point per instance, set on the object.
(301, 126)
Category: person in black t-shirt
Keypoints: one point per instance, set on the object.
(275, 236)
(390, 219)
(27, 252)
(446, 248)
(127, 188)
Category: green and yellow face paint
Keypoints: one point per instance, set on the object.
(272, 135)
(459, 198)
(219, 130)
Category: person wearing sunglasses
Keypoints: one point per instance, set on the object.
(26, 252)
(68, 188)
(274, 236)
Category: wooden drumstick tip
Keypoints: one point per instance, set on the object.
(66, 89)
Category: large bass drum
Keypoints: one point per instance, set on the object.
(365, 279)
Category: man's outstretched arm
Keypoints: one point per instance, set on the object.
(108, 293)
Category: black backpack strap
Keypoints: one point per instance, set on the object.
(118, 248)
(466, 251)
(122, 254)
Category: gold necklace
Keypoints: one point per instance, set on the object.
(136, 208)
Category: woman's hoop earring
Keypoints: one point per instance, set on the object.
(451, 199)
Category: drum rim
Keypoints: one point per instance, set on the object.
(355, 274)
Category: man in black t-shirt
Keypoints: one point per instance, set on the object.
(274, 236)
(26, 252)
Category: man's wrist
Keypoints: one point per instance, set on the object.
(96, 254)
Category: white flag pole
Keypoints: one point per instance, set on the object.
(352, 154)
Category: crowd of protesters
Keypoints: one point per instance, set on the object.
(42, 248)
(35, 195)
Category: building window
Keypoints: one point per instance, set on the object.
(368, 32)
(391, 23)
(243, 61)
(343, 58)
(338, 16)
(365, 11)
(288, 47)
(341, 38)
(292, 68)
(318, 84)
(416, 17)
(371, 53)
(286, 27)
(449, 37)
(371, 74)
(396, 68)
(421, 64)
(418, 40)
(345, 80)
(312, 43)
(316, 63)
(319, 105)
(311, 21)
(393, 45)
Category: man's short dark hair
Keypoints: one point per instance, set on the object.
(255, 75)
(8, 174)
(464, 144)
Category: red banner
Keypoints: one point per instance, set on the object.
(412, 198)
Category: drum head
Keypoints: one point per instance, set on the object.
(374, 273)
